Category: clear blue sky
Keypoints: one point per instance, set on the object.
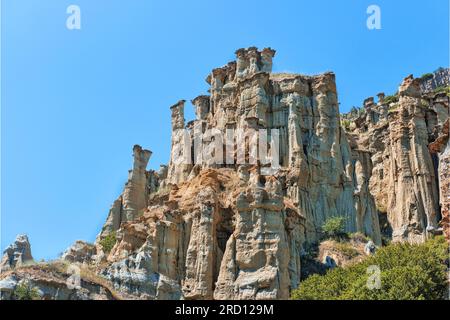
(75, 102)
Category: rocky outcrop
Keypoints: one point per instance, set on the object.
(395, 133)
(81, 252)
(228, 217)
(438, 79)
(55, 281)
(332, 253)
(253, 178)
(315, 158)
(17, 254)
(135, 195)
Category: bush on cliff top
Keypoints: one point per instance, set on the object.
(390, 99)
(426, 76)
(407, 272)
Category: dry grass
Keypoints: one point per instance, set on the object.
(57, 271)
(344, 253)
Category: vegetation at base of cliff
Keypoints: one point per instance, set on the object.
(108, 242)
(25, 291)
(334, 228)
(407, 272)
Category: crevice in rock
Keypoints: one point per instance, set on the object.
(224, 228)
(223, 232)
(435, 159)
(385, 226)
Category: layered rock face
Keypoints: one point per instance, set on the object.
(441, 148)
(17, 254)
(81, 252)
(135, 195)
(395, 133)
(228, 217)
(50, 282)
(317, 170)
(439, 78)
(250, 183)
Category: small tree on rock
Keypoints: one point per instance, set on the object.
(334, 227)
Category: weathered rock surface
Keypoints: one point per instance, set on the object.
(439, 78)
(17, 254)
(226, 220)
(441, 147)
(81, 252)
(219, 223)
(135, 195)
(55, 281)
(403, 173)
(334, 254)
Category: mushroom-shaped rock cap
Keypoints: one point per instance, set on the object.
(269, 51)
(137, 148)
(141, 157)
(410, 87)
(180, 103)
(240, 52)
(368, 102)
(200, 99)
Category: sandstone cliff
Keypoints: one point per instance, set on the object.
(222, 228)
(252, 179)
(17, 254)
(224, 223)
(407, 179)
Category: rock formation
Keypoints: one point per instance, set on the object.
(17, 254)
(253, 178)
(135, 195)
(396, 133)
(81, 252)
(438, 79)
(229, 222)
(51, 282)
(441, 148)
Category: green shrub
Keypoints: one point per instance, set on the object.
(108, 242)
(25, 291)
(442, 90)
(426, 76)
(390, 99)
(346, 124)
(407, 272)
(334, 227)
